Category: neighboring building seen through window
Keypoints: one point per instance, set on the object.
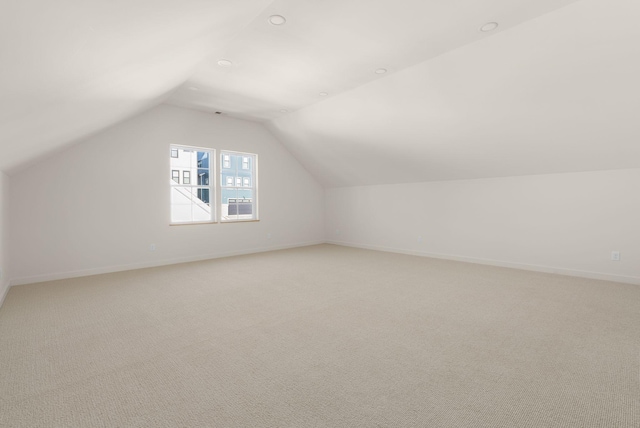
(192, 202)
(239, 192)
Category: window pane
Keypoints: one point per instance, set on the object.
(238, 204)
(186, 177)
(203, 159)
(244, 203)
(203, 177)
(180, 204)
(175, 176)
(174, 153)
(203, 195)
(189, 204)
(229, 197)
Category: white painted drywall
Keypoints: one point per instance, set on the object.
(4, 241)
(98, 206)
(566, 223)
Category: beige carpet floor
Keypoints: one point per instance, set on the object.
(321, 336)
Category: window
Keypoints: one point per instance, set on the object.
(192, 202)
(239, 192)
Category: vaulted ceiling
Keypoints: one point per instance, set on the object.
(553, 89)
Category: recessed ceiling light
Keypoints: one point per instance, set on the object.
(489, 26)
(277, 20)
(323, 94)
(193, 88)
(381, 71)
(224, 63)
(284, 110)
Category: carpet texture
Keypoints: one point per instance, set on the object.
(321, 336)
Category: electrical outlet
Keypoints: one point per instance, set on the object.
(419, 238)
(337, 231)
(152, 247)
(268, 236)
(615, 256)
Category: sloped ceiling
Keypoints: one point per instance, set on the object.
(553, 89)
(331, 46)
(69, 68)
(559, 93)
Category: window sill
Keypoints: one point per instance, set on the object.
(196, 223)
(193, 223)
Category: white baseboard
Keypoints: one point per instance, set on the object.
(3, 293)
(514, 265)
(500, 263)
(155, 263)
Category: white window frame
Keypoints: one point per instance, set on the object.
(212, 186)
(225, 162)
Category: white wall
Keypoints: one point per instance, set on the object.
(99, 205)
(4, 231)
(564, 223)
